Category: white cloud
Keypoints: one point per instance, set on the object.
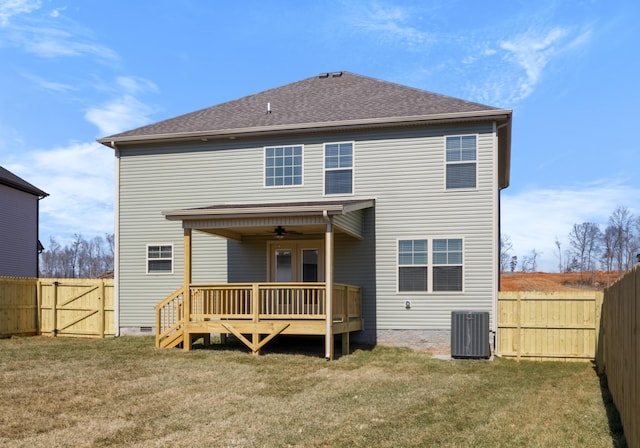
(534, 218)
(125, 111)
(48, 36)
(120, 114)
(45, 84)
(136, 84)
(391, 22)
(10, 8)
(53, 40)
(533, 50)
(79, 180)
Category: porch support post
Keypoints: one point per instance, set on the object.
(328, 274)
(187, 289)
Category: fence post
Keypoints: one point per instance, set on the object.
(54, 310)
(101, 301)
(519, 325)
(600, 332)
(38, 307)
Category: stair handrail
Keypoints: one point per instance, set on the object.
(173, 325)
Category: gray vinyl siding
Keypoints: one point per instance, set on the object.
(351, 222)
(402, 169)
(406, 176)
(18, 233)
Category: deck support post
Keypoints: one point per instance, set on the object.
(345, 343)
(328, 274)
(187, 289)
(255, 303)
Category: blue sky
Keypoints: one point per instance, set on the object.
(73, 71)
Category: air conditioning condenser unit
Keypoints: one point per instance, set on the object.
(470, 334)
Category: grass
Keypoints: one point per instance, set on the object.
(124, 392)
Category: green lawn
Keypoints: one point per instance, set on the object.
(124, 392)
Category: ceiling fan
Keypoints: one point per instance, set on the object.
(281, 232)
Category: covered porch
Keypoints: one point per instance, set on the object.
(299, 300)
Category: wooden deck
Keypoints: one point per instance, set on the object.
(257, 312)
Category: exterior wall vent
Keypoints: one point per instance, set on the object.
(145, 329)
(470, 334)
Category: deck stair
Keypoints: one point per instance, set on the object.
(170, 320)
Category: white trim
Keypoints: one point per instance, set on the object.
(324, 169)
(446, 163)
(116, 247)
(173, 257)
(264, 166)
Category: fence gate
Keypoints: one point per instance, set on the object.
(76, 307)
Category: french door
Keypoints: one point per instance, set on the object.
(296, 261)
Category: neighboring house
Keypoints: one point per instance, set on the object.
(19, 245)
(335, 179)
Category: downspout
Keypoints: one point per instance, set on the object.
(38, 251)
(497, 282)
(328, 274)
(116, 244)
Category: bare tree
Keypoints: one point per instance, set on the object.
(559, 253)
(623, 238)
(534, 258)
(505, 246)
(80, 258)
(584, 240)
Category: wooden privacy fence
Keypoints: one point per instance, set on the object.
(57, 307)
(621, 347)
(18, 306)
(549, 326)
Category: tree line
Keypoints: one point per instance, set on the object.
(80, 258)
(591, 246)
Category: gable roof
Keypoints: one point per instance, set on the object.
(329, 100)
(11, 180)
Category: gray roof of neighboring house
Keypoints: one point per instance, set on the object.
(326, 101)
(11, 180)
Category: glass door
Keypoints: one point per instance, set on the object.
(296, 261)
(283, 265)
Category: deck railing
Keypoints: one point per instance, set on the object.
(254, 301)
(170, 319)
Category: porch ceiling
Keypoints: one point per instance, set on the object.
(299, 219)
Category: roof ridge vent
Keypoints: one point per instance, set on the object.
(330, 74)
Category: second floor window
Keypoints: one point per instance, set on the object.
(461, 162)
(282, 166)
(338, 168)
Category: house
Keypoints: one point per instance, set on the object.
(339, 204)
(19, 205)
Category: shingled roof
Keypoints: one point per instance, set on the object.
(11, 180)
(328, 100)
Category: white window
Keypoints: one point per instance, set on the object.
(282, 166)
(447, 265)
(430, 265)
(338, 168)
(159, 258)
(412, 265)
(461, 162)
